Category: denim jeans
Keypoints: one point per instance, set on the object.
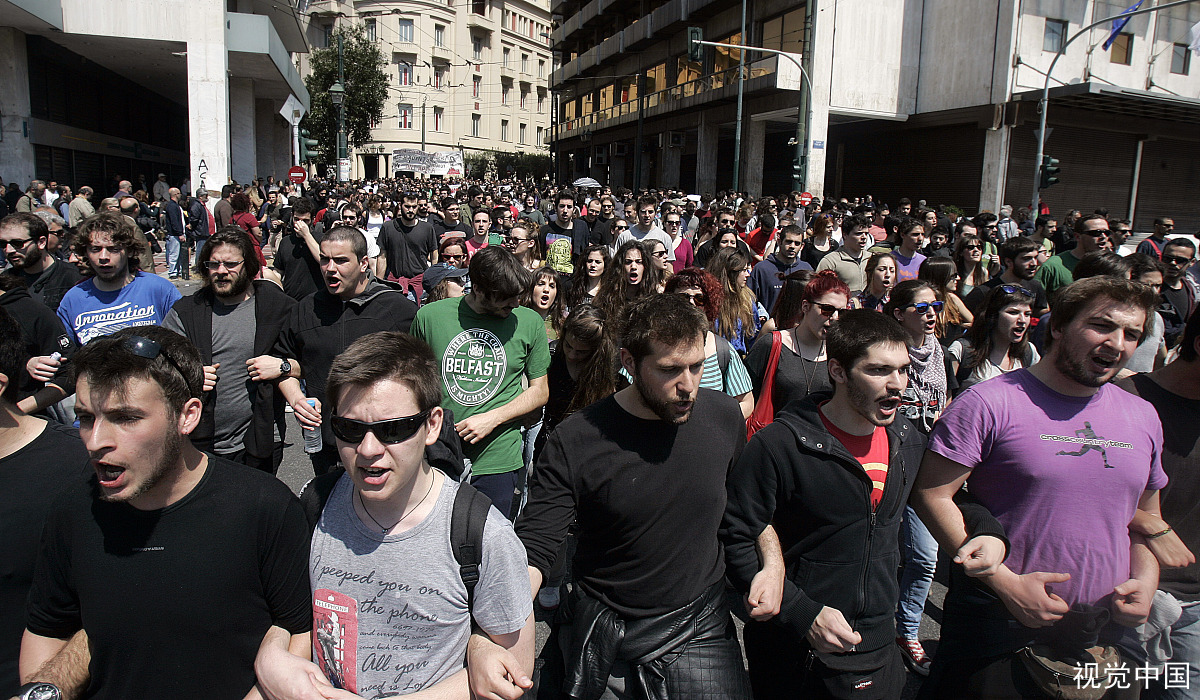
(171, 246)
(920, 551)
(1185, 648)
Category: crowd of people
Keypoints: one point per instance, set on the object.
(674, 410)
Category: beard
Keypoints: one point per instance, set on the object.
(238, 284)
(661, 407)
(171, 450)
(1073, 369)
(33, 258)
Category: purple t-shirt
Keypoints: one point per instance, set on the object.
(1063, 474)
(906, 267)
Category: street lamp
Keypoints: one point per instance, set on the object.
(337, 95)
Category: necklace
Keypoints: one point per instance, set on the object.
(384, 529)
(808, 378)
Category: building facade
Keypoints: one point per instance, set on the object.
(465, 75)
(97, 91)
(933, 100)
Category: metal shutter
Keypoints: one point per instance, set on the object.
(1168, 185)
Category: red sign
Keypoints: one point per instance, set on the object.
(805, 199)
(297, 174)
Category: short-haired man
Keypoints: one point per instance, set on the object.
(120, 295)
(223, 210)
(1019, 256)
(25, 238)
(487, 343)
(481, 224)
(38, 461)
(1044, 230)
(391, 512)
(767, 277)
(200, 221)
(1057, 272)
(1155, 244)
(407, 246)
(911, 239)
(646, 226)
(1064, 461)
(298, 252)
(176, 243)
(162, 190)
(530, 210)
(643, 472)
(215, 552)
(566, 225)
(80, 207)
(449, 223)
(350, 304)
(850, 260)
(1179, 290)
(32, 199)
(232, 319)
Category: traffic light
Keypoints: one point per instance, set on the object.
(695, 51)
(797, 172)
(1049, 172)
(308, 147)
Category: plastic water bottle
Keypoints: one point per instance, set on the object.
(56, 356)
(313, 443)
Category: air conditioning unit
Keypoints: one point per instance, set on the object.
(620, 150)
(677, 139)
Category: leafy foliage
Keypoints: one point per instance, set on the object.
(366, 86)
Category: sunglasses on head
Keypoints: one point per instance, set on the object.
(149, 349)
(1016, 289)
(925, 306)
(389, 432)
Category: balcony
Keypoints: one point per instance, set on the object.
(508, 73)
(441, 54)
(480, 22)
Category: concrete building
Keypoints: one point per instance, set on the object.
(926, 99)
(466, 75)
(99, 89)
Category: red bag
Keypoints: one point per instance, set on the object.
(764, 410)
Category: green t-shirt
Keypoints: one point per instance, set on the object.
(1058, 272)
(482, 359)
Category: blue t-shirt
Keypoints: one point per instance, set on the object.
(89, 313)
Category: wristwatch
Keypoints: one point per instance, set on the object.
(39, 691)
(285, 368)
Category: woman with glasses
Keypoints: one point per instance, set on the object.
(620, 236)
(740, 316)
(955, 319)
(684, 253)
(998, 341)
(881, 277)
(524, 242)
(915, 305)
(820, 242)
(808, 305)
(453, 251)
(658, 257)
(585, 283)
(972, 266)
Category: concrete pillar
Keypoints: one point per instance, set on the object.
(706, 155)
(208, 97)
(264, 146)
(752, 166)
(821, 74)
(617, 172)
(282, 132)
(16, 151)
(995, 168)
(669, 164)
(243, 141)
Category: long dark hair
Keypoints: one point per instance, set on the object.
(738, 304)
(615, 290)
(580, 281)
(980, 335)
(555, 312)
(597, 378)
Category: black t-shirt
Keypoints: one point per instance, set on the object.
(407, 247)
(648, 497)
(31, 479)
(813, 255)
(44, 334)
(177, 600)
(795, 377)
(301, 272)
(49, 287)
(1175, 309)
(975, 299)
(440, 227)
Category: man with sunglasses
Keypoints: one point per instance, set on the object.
(176, 563)
(1019, 255)
(25, 238)
(232, 319)
(1157, 241)
(381, 564)
(1179, 290)
(1091, 234)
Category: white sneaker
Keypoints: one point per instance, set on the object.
(549, 597)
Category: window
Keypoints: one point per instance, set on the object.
(406, 74)
(503, 129)
(372, 35)
(541, 69)
(406, 114)
(438, 115)
(507, 53)
(405, 31)
(504, 95)
(524, 99)
(1055, 35)
(541, 104)
(475, 122)
(327, 34)
(525, 63)
(522, 133)
(439, 35)
(785, 32)
(1121, 51)
(1181, 59)
(439, 78)
(475, 86)
(477, 48)
(540, 136)
(479, 7)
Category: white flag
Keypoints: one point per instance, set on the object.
(1195, 45)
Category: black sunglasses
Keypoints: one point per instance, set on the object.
(1177, 260)
(828, 310)
(925, 306)
(1016, 289)
(149, 349)
(389, 432)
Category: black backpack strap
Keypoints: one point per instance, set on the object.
(316, 493)
(466, 534)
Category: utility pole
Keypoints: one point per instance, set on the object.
(737, 129)
(338, 95)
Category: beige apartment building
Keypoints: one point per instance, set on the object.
(465, 75)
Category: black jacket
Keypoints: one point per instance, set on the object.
(322, 326)
(43, 335)
(271, 308)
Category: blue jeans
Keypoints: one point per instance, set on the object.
(1185, 648)
(920, 551)
(171, 246)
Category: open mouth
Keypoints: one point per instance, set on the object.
(1105, 363)
(110, 476)
(889, 406)
(374, 476)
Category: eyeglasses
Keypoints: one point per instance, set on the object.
(513, 240)
(668, 222)
(1176, 260)
(925, 306)
(660, 254)
(828, 310)
(16, 245)
(973, 246)
(697, 298)
(1097, 232)
(214, 265)
(150, 349)
(389, 432)
(1016, 289)
(621, 228)
(454, 257)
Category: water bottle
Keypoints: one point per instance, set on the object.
(313, 443)
(56, 356)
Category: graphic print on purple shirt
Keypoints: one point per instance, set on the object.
(1063, 474)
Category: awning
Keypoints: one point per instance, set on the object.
(1111, 99)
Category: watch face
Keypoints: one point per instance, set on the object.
(42, 691)
(285, 367)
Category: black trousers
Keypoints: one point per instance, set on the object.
(783, 667)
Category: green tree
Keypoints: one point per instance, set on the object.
(366, 90)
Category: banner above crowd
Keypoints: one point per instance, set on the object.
(439, 163)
